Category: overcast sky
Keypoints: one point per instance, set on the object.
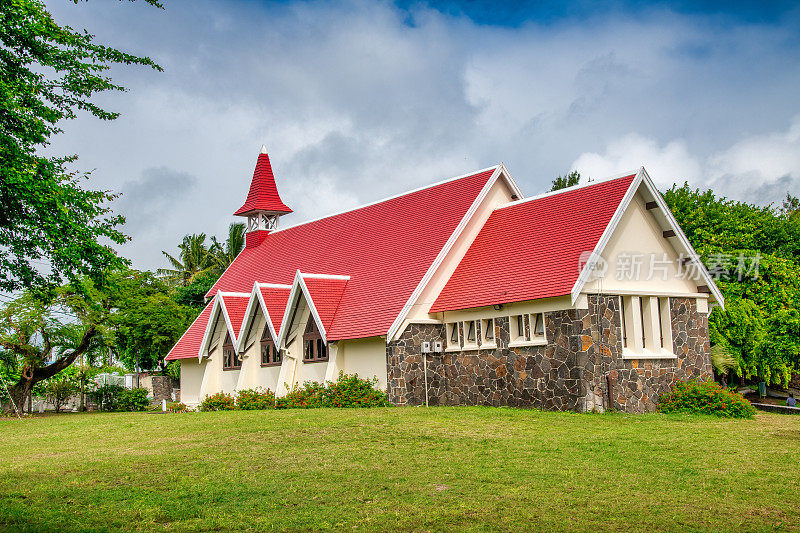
(359, 100)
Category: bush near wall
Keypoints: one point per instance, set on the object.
(352, 391)
(133, 399)
(255, 399)
(106, 397)
(177, 407)
(307, 396)
(218, 402)
(705, 397)
(346, 391)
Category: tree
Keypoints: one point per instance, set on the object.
(778, 354)
(49, 73)
(193, 260)
(194, 294)
(41, 343)
(568, 180)
(791, 206)
(756, 327)
(146, 321)
(224, 254)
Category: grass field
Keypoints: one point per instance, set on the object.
(399, 469)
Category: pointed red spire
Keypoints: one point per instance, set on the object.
(263, 195)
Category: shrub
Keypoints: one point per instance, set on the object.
(705, 397)
(346, 391)
(106, 396)
(60, 388)
(255, 399)
(133, 399)
(177, 407)
(173, 370)
(218, 402)
(352, 391)
(305, 397)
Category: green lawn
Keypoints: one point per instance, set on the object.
(399, 469)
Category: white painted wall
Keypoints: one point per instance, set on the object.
(365, 357)
(191, 378)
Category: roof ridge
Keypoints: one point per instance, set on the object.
(418, 189)
(325, 276)
(572, 188)
(273, 286)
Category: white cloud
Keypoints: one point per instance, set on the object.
(355, 103)
(761, 168)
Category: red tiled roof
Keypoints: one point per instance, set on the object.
(386, 248)
(188, 345)
(326, 293)
(531, 249)
(275, 299)
(235, 305)
(263, 195)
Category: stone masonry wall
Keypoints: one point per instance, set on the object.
(545, 377)
(636, 384)
(569, 373)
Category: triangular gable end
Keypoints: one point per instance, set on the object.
(256, 301)
(299, 288)
(500, 171)
(643, 178)
(219, 307)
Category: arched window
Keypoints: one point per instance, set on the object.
(314, 348)
(230, 359)
(270, 355)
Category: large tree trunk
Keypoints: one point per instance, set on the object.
(30, 376)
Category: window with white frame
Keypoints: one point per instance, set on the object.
(231, 360)
(518, 328)
(470, 334)
(646, 326)
(487, 333)
(453, 336)
(537, 327)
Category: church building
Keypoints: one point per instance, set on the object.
(462, 292)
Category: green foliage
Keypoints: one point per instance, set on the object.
(146, 321)
(721, 360)
(218, 402)
(177, 407)
(715, 224)
(106, 397)
(306, 396)
(173, 369)
(60, 388)
(193, 260)
(133, 399)
(705, 397)
(352, 391)
(346, 391)
(568, 180)
(194, 293)
(755, 328)
(255, 399)
(198, 266)
(778, 353)
(223, 254)
(48, 73)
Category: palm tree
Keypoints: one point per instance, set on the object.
(193, 260)
(223, 254)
